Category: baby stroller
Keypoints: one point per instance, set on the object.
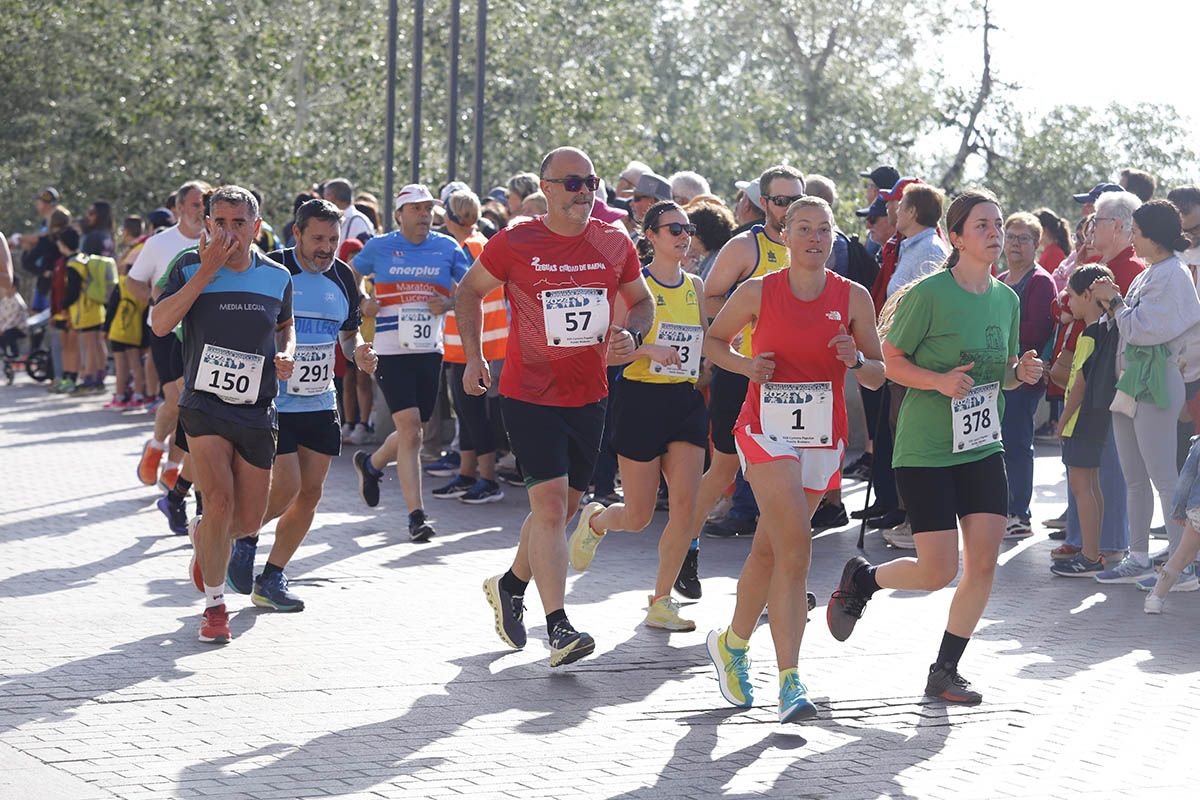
(36, 362)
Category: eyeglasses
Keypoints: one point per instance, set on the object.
(575, 183)
(781, 200)
(677, 228)
(1022, 239)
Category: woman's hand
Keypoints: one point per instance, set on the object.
(1030, 368)
(956, 383)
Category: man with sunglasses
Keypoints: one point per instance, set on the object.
(562, 274)
(751, 254)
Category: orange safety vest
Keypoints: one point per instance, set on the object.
(495, 318)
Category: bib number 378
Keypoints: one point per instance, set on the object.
(976, 418)
(576, 317)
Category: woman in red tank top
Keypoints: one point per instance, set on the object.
(810, 326)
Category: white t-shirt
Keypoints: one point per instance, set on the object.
(355, 225)
(157, 254)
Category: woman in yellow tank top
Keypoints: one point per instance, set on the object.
(660, 423)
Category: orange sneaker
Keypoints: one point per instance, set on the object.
(168, 477)
(215, 627)
(147, 471)
(194, 565)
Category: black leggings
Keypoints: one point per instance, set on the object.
(474, 417)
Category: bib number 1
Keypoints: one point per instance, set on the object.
(800, 414)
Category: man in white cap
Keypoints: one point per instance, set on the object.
(651, 188)
(415, 271)
(627, 181)
(747, 209)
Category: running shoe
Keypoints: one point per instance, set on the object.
(946, 684)
(1158, 532)
(347, 429)
(900, 537)
(194, 566)
(584, 540)
(733, 670)
(1128, 571)
(664, 615)
(1057, 524)
(846, 605)
(512, 477)
(811, 599)
(419, 529)
(360, 435)
(794, 704)
(1018, 528)
(368, 481)
(1154, 604)
(214, 628)
(175, 512)
(483, 491)
(509, 612)
(455, 488)
(1161, 557)
(272, 592)
(603, 499)
(1078, 566)
(829, 515)
(688, 582)
(568, 645)
(1064, 552)
(887, 520)
(859, 469)
(445, 466)
(166, 481)
(876, 509)
(147, 470)
(116, 404)
(1188, 582)
(730, 527)
(239, 576)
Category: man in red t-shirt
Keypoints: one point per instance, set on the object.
(561, 273)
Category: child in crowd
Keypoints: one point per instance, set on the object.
(1086, 420)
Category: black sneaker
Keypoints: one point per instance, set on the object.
(860, 469)
(873, 510)
(812, 600)
(729, 527)
(688, 582)
(945, 683)
(368, 482)
(568, 645)
(512, 477)
(419, 529)
(603, 499)
(829, 515)
(846, 605)
(455, 488)
(509, 611)
(887, 521)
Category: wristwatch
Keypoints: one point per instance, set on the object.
(638, 336)
(859, 360)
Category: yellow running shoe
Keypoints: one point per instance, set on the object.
(584, 540)
(664, 614)
(733, 670)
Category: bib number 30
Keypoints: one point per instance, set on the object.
(976, 418)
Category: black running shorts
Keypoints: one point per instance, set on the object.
(255, 445)
(937, 497)
(410, 381)
(649, 416)
(725, 397)
(318, 431)
(552, 441)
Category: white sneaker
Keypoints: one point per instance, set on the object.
(347, 430)
(359, 434)
(1018, 528)
(900, 537)
(1154, 604)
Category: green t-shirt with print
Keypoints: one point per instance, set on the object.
(940, 326)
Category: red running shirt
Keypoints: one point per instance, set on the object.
(530, 259)
(798, 333)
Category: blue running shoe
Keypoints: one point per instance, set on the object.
(272, 592)
(794, 704)
(239, 577)
(445, 466)
(176, 513)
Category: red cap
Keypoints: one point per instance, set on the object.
(897, 191)
(348, 249)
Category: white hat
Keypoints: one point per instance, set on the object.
(753, 192)
(413, 193)
(452, 187)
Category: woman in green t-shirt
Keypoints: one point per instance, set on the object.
(953, 340)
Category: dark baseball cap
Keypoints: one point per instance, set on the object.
(1097, 190)
(884, 177)
(878, 208)
(160, 218)
(48, 195)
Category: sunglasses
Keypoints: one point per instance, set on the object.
(677, 228)
(575, 183)
(781, 200)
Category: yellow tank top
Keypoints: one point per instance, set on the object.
(676, 324)
(772, 256)
(127, 324)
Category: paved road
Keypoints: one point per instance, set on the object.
(392, 683)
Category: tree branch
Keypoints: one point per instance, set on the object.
(966, 146)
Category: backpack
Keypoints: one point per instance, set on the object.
(863, 268)
(101, 272)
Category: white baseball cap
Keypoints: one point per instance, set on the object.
(752, 190)
(452, 187)
(413, 193)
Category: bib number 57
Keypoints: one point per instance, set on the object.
(578, 320)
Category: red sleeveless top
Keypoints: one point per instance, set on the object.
(798, 333)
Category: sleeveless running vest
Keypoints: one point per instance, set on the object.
(772, 257)
(798, 333)
(677, 306)
(127, 323)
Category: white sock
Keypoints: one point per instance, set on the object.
(214, 596)
(170, 465)
(157, 445)
(1141, 558)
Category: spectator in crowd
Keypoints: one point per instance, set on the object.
(1056, 240)
(714, 227)
(289, 230)
(747, 206)
(629, 177)
(922, 251)
(880, 179)
(1112, 236)
(686, 185)
(355, 224)
(1088, 199)
(651, 188)
(98, 230)
(519, 187)
(1141, 184)
(534, 205)
(1187, 200)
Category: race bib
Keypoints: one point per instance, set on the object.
(800, 414)
(976, 418)
(231, 375)
(687, 340)
(314, 369)
(575, 317)
(419, 328)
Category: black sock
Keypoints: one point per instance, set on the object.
(951, 650)
(512, 584)
(180, 490)
(555, 617)
(864, 581)
(269, 570)
(199, 504)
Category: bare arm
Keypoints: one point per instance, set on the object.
(866, 338)
(955, 383)
(1074, 401)
(6, 267)
(468, 308)
(285, 349)
(729, 268)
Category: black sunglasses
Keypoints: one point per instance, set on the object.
(574, 183)
(782, 200)
(677, 228)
